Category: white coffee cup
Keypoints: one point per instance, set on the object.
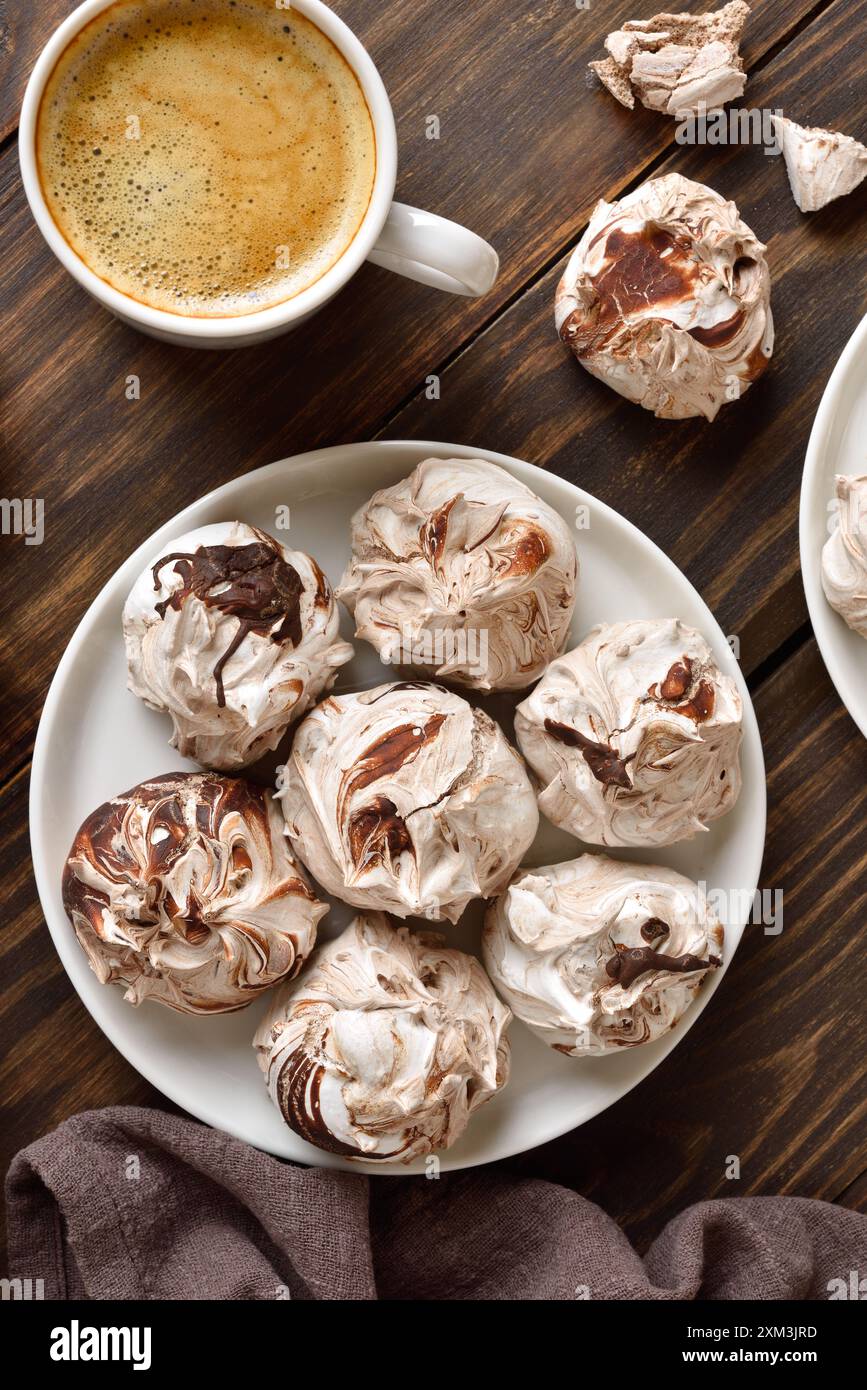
(417, 244)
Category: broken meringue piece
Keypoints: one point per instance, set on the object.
(666, 298)
(680, 64)
(461, 572)
(822, 164)
(844, 555)
(184, 890)
(598, 954)
(386, 1045)
(634, 735)
(234, 636)
(406, 799)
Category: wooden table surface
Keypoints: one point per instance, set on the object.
(774, 1071)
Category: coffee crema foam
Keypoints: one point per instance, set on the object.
(205, 157)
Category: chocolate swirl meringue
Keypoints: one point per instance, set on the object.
(234, 636)
(634, 735)
(666, 298)
(844, 556)
(407, 800)
(184, 890)
(386, 1045)
(461, 572)
(597, 954)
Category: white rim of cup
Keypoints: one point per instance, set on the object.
(229, 326)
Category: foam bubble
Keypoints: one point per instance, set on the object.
(204, 156)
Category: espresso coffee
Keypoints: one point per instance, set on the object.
(205, 157)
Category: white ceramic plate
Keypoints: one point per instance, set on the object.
(838, 444)
(95, 739)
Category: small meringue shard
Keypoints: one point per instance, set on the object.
(407, 800)
(822, 164)
(611, 76)
(185, 891)
(461, 572)
(844, 555)
(634, 735)
(666, 298)
(234, 636)
(680, 64)
(386, 1045)
(598, 954)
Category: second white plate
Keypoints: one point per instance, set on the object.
(95, 739)
(838, 444)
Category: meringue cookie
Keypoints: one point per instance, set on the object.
(386, 1044)
(634, 735)
(234, 636)
(184, 890)
(677, 63)
(666, 298)
(461, 572)
(406, 799)
(597, 954)
(822, 164)
(844, 555)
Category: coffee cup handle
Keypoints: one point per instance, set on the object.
(435, 252)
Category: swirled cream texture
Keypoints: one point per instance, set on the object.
(461, 572)
(597, 954)
(634, 735)
(386, 1045)
(405, 799)
(844, 556)
(666, 298)
(184, 891)
(234, 636)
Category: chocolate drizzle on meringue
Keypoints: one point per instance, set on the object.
(386, 1045)
(666, 298)
(406, 798)
(253, 583)
(647, 267)
(172, 889)
(677, 682)
(385, 756)
(299, 1085)
(630, 962)
(716, 335)
(462, 548)
(654, 929)
(376, 832)
(605, 764)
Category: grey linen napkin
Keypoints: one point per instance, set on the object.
(135, 1204)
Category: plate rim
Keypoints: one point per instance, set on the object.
(823, 618)
(175, 525)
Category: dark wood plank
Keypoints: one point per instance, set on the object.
(517, 168)
(410, 41)
(774, 1071)
(721, 498)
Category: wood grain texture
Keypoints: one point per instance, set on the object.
(516, 169)
(774, 1071)
(720, 498)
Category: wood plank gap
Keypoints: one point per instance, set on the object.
(777, 658)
